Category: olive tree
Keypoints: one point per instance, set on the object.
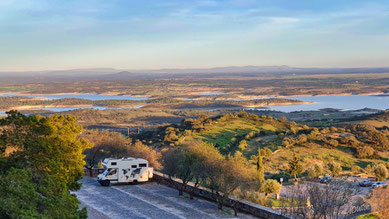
(271, 186)
(381, 172)
(334, 168)
(295, 167)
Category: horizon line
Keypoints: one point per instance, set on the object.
(178, 68)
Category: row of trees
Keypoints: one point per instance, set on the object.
(202, 164)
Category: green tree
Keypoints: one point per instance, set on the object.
(170, 162)
(365, 152)
(315, 171)
(334, 168)
(139, 150)
(18, 196)
(271, 186)
(242, 145)
(381, 172)
(266, 152)
(228, 175)
(258, 162)
(302, 139)
(295, 167)
(205, 156)
(106, 144)
(46, 163)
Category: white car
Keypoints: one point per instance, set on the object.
(380, 184)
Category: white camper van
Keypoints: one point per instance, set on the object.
(125, 170)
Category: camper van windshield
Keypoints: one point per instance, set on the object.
(106, 171)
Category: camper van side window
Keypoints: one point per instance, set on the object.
(133, 166)
(113, 163)
(142, 165)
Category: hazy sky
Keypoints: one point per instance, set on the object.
(144, 34)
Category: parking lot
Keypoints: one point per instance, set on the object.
(145, 200)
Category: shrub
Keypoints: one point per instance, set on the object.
(365, 152)
(255, 197)
(302, 139)
(271, 186)
(315, 171)
(242, 145)
(334, 168)
(381, 172)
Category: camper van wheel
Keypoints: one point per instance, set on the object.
(105, 183)
(135, 182)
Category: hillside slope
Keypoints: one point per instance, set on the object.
(354, 147)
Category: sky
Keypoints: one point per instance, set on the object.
(147, 34)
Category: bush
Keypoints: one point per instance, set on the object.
(271, 186)
(257, 198)
(356, 169)
(365, 152)
(335, 168)
(381, 172)
(242, 145)
(266, 152)
(315, 171)
(302, 139)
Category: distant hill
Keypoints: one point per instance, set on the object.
(247, 71)
(244, 71)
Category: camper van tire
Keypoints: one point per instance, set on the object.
(105, 183)
(135, 182)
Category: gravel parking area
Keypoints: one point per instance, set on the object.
(145, 200)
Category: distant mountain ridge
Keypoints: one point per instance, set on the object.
(116, 74)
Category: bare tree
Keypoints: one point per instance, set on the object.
(379, 202)
(317, 201)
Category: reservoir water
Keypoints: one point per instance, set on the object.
(343, 102)
(80, 96)
(63, 109)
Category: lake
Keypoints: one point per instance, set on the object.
(80, 96)
(212, 93)
(343, 102)
(62, 109)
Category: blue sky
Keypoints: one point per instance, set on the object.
(146, 34)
